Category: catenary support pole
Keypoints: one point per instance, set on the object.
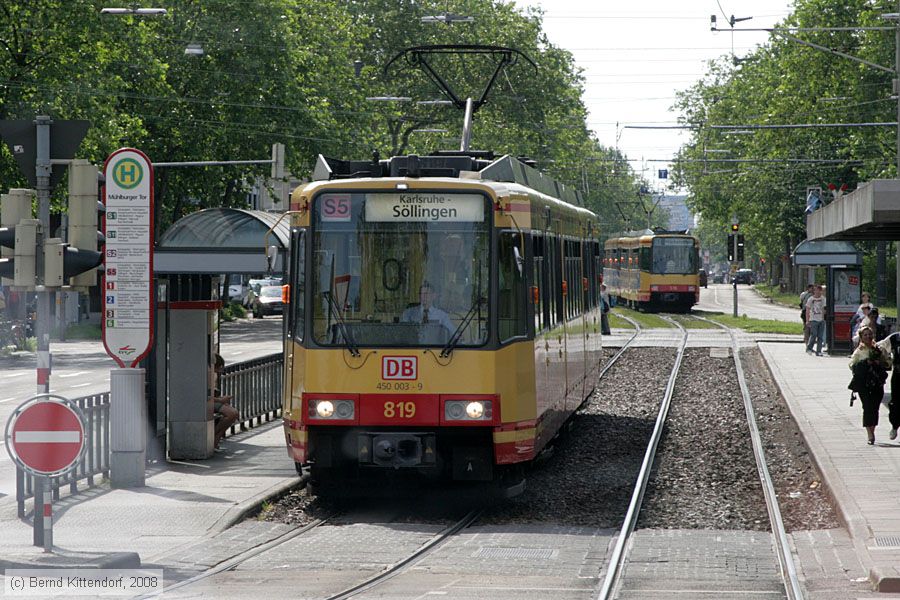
(897, 93)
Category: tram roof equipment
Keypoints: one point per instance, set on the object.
(453, 164)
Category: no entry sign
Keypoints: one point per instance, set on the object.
(45, 435)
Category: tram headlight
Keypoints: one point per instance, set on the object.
(475, 410)
(342, 410)
(468, 410)
(324, 409)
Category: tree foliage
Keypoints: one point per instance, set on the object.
(296, 72)
(789, 82)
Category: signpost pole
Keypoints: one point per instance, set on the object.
(734, 253)
(47, 512)
(37, 525)
(43, 171)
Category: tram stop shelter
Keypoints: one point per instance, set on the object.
(843, 285)
(188, 262)
(870, 212)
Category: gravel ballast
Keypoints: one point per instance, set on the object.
(705, 475)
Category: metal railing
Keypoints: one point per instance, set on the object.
(255, 385)
(94, 461)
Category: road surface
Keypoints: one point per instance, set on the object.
(719, 297)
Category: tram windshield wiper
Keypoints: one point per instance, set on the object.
(342, 325)
(461, 328)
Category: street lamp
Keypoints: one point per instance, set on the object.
(134, 10)
(429, 130)
(435, 102)
(194, 49)
(448, 19)
(388, 98)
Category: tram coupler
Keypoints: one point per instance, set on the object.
(397, 450)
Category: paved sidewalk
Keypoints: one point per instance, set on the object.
(864, 481)
(183, 503)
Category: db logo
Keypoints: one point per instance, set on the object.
(335, 208)
(399, 367)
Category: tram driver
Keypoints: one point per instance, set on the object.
(426, 311)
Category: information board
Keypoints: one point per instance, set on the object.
(128, 280)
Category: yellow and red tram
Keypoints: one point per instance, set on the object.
(444, 319)
(657, 271)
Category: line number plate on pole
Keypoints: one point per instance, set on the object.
(127, 283)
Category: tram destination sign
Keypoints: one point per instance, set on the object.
(127, 283)
(416, 207)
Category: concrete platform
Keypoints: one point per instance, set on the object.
(863, 480)
(183, 504)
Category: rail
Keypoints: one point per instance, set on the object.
(783, 550)
(255, 385)
(637, 497)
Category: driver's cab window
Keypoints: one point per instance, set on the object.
(392, 271)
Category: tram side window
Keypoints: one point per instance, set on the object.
(511, 299)
(554, 294)
(298, 282)
(540, 318)
(573, 276)
(552, 281)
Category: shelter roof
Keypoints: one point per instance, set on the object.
(221, 240)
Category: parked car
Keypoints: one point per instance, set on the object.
(704, 278)
(253, 287)
(266, 302)
(744, 276)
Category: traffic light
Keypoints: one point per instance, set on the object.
(735, 227)
(730, 247)
(80, 257)
(19, 238)
(740, 247)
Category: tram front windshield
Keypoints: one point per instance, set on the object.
(674, 256)
(400, 269)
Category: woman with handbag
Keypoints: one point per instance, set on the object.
(870, 366)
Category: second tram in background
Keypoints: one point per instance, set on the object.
(654, 271)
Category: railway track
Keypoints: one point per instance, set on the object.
(612, 583)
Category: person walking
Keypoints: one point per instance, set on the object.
(815, 320)
(804, 296)
(604, 310)
(890, 346)
(869, 366)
